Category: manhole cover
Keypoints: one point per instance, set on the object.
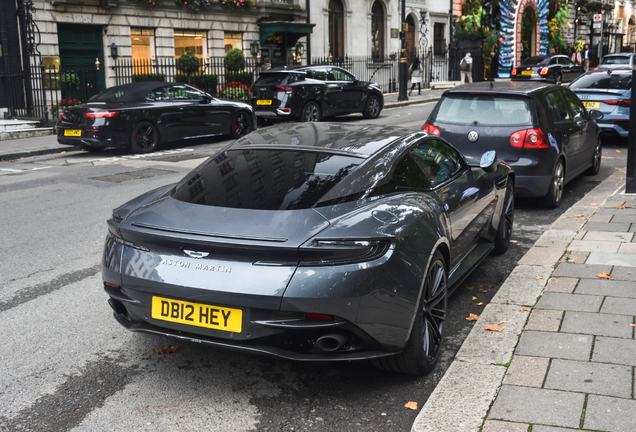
(133, 175)
(180, 158)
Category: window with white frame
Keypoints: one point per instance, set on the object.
(190, 41)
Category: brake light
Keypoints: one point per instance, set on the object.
(529, 138)
(544, 71)
(319, 317)
(61, 114)
(514, 71)
(431, 129)
(595, 68)
(620, 102)
(285, 88)
(341, 252)
(101, 114)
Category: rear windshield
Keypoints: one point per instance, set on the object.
(485, 110)
(113, 95)
(265, 179)
(536, 60)
(615, 81)
(616, 60)
(273, 79)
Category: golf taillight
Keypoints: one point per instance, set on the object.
(101, 114)
(319, 317)
(529, 138)
(514, 71)
(285, 88)
(619, 102)
(544, 71)
(431, 129)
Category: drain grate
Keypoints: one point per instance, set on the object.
(180, 158)
(133, 175)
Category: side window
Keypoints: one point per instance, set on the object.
(183, 93)
(317, 74)
(559, 107)
(564, 61)
(159, 94)
(575, 104)
(554, 60)
(438, 161)
(406, 175)
(341, 75)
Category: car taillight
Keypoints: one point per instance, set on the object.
(319, 317)
(514, 71)
(341, 252)
(544, 71)
(100, 114)
(431, 129)
(595, 68)
(61, 115)
(619, 102)
(529, 138)
(285, 88)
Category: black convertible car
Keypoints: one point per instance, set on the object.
(311, 93)
(141, 116)
(553, 68)
(311, 241)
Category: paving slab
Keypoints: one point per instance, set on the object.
(573, 302)
(548, 407)
(489, 347)
(617, 211)
(607, 226)
(603, 287)
(627, 248)
(581, 270)
(610, 414)
(543, 256)
(561, 285)
(624, 273)
(523, 285)
(613, 259)
(601, 218)
(615, 351)
(475, 385)
(597, 324)
(619, 306)
(544, 320)
(594, 246)
(589, 377)
(555, 238)
(542, 428)
(624, 218)
(555, 345)
(608, 236)
(502, 426)
(527, 371)
(568, 224)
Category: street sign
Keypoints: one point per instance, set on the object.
(598, 18)
(602, 11)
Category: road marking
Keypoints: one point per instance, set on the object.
(10, 171)
(129, 157)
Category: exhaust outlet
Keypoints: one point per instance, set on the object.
(331, 342)
(117, 306)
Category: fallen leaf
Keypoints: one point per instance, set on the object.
(611, 176)
(474, 298)
(167, 350)
(597, 180)
(494, 328)
(586, 218)
(633, 325)
(621, 178)
(578, 215)
(472, 317)
(593, 204)
(470, 288)
(524, 309)
(480, 304)
(539, 277)
(484, 291)
(60, 153)
(411, 405)
(518, 244)
(603, 276)
(615, 184)
(503, 322)
(618, 151)
(622, 207)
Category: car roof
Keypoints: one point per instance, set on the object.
(139, 90)
(298, 68)
(361, 140)
(503, 87)
(618, 55)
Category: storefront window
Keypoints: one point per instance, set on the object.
(143, 43)
(233, 40)
(377, 31)
(190, 41)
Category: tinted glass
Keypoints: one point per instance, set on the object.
(485, 110)
(536, 60)
(340, 75)
(265, 179)
(159, 94)
(317, 74)
(616, 60)
(111, 95)
(559, 108)
(406, 175)
(272, 79)
(183, 93)
(615, 81)
(564, 61)
(575, 104)
(438, 161)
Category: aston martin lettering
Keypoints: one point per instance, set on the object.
(198, 266)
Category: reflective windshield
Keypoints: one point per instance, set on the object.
(265, 179)
(616, 60)
(483, 109)
(536, 60)
(603, 80)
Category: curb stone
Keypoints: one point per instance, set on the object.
(458, 403)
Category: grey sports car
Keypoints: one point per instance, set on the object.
(311, 241)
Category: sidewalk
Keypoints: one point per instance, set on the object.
(35, 146)
(566, 356)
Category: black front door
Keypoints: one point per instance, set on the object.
(81, 47)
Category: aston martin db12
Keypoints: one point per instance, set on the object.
(311, 241)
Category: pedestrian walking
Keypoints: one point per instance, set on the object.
(587, 56)
(466, 68)
(267, 64)
(576, 57)
(416, 76)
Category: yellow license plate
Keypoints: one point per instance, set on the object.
(526, 72)
(72, 132)
(195, 314)
(592, 105)
(264, 102)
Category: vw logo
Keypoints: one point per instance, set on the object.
(473, 136)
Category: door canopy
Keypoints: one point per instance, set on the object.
(511, 20)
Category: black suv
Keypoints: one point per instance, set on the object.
(543, 131)
(310, 93)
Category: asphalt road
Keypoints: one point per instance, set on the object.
(67, 365)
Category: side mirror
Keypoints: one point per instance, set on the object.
(206, 99)
(595, 115)
(489, 162)
(580, 118)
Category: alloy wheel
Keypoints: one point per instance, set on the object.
(597, 157)
(146, 137)
(374, 107)
(509, 216)
(241, 124)
(434, 311)
(311, 113)
(557, 183)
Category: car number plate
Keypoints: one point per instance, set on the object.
(72, 132)
(592, 105)
(196, 314)
(264, 102)
(526, 72)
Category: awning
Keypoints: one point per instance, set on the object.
(292, 30)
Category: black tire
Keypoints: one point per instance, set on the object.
(506, 220)
(92, 149)
(558, 78)
(555, 191)
(425, 343)
(144, 138)
(310, 112)
(596, 160)
(240, 125)
(373, 108)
